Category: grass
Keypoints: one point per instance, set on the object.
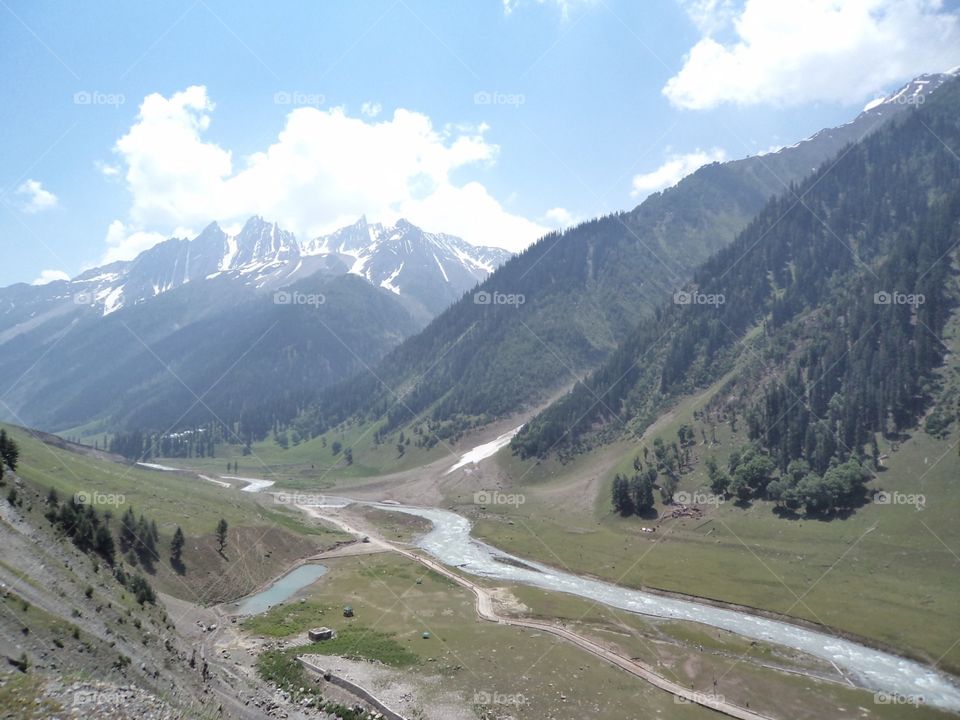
(312, 463)
(463, 656)
(887, 573)
(261, 536)
(20, 698)
(696, 655)
(356, 642)
(397, 527)
(287, 619)
(170, 499)
(474, 657)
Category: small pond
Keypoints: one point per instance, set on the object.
(281, 589)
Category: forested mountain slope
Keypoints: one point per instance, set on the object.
(201, 353)
(833, 300)
(561, 307)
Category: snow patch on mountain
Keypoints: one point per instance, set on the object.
(433, 269)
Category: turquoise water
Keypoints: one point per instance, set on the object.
(282, 589)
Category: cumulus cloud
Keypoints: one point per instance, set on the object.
(125, 243)
(560, 217)
(789, 53)
(37, 199)
(710, 16)
(323, 171)
(673, 170)
(49, 276)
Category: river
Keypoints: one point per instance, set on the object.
(450, 542)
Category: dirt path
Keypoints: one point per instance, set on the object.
(486, 611)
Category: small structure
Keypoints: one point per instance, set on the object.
(321, 633)
(348, 611)
(425, 636)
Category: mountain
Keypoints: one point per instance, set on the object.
(571, 298)
(432, 269)
(428, 270)
(827, 312)
(184, 315)
(201, 353)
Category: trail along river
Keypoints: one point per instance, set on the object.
(902, 680)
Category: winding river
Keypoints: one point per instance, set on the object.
(450, 542)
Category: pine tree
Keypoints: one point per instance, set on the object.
(128, 530)
(622, 500)
(221, 533)
(176, 546)
(9, 450)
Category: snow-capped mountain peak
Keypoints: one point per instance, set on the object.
(914, 92)
(431, 270)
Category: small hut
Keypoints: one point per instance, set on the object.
(321, 633)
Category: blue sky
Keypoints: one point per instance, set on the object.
(127, 122)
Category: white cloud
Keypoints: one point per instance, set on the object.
(174, 176)
(49, 276)
(371, 109)
(710, 16)
(125, 243)
(560, 217)
(107, 169)
(323, 171)
(37, 198)
(788, 53)
(674, 170)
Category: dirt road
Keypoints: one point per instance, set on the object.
(487, 611)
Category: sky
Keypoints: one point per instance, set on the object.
(125, 123)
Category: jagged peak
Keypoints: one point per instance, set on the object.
(917, 87)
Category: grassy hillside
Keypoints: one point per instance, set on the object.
(885, 571)
(262, 537)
